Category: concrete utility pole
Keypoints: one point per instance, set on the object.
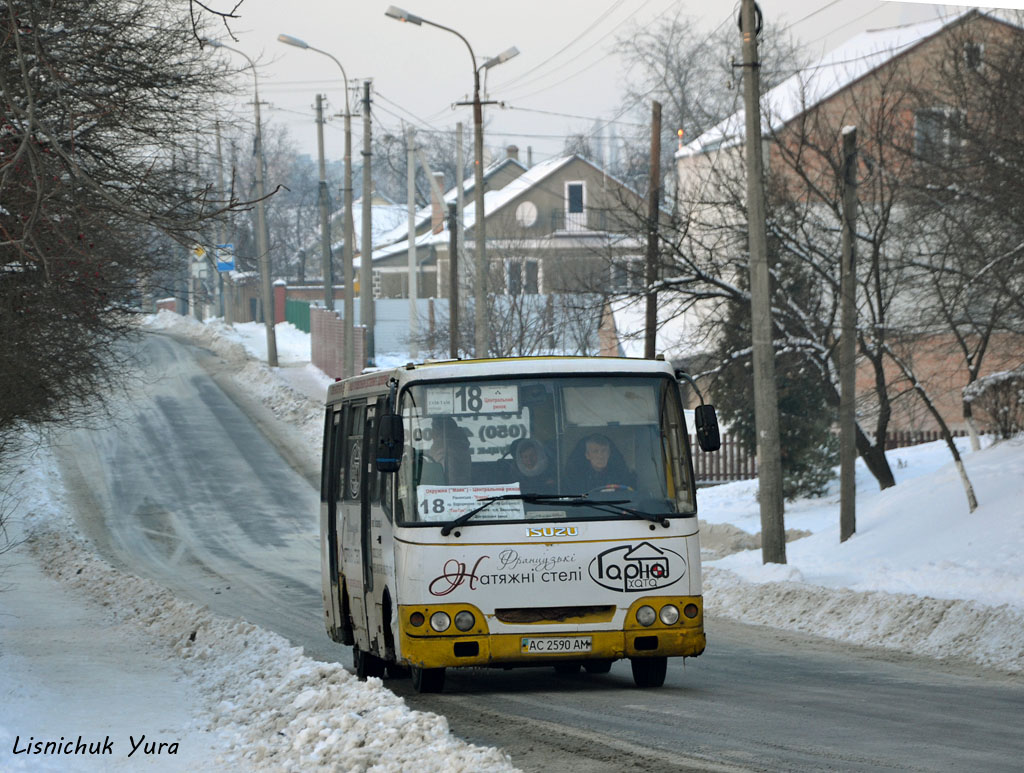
(410, 144)
(453, 281)
(848, 342)
(651, 269)
(460, 196)
(325, 209)
(366, 305)
(347, 365)
(766, 403)
(223, 309)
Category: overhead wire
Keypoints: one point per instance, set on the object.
(568, 45)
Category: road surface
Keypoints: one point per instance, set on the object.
(197, 487)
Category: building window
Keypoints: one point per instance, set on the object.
(936, 134)
(627, 274)
(575, 206)
(974, 55)
(522, 276)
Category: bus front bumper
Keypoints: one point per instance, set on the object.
(509, 649)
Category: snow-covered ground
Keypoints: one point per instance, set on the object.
(87, 650)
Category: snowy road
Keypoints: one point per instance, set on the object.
(183, 488)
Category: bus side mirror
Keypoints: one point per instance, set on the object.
(706, 426)
(390, 442)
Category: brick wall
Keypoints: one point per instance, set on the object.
(327, 342)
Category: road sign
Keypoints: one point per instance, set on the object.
(225, 257)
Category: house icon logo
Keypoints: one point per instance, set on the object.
(636, 568)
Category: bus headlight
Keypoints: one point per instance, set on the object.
(669, 614)
(691, 610)
(646, 615)
(440, 621)
(417, 619)
(464, 620)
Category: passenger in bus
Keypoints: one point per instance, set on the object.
(450, 450)
(532, 467)
(599, 465)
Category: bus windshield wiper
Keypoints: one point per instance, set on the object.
(613, 506)
(568, 499)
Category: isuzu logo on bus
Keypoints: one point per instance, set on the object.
(552, 531)
(635, 568)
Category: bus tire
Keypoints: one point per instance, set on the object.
(602, 666)
(366, 665)
(427, 679)
(395, 671)
(649, 672)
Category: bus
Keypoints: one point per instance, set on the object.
(535, 511)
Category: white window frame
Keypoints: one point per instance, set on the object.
(575, 221)
(634, 274)
(522, 263)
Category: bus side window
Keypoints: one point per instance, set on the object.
(371, 487)
(329, 471)
(337, 460)
(354, 451)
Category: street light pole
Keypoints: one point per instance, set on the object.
(348, 364)
(479, 226)
(262, 234)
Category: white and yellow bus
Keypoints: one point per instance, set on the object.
(518, 512)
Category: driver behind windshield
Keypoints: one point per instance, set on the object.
(602, 465)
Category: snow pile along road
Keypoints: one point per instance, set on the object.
(270, 706)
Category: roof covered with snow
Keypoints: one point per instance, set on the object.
(812, 85)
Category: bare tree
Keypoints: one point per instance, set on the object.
(93, 93)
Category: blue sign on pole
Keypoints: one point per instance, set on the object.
(225, 257)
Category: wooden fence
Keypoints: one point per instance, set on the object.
(732, 462)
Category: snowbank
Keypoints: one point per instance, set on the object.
(270, 706)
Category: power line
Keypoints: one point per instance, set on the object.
(589, 48)
(567, 46)
(566, 115)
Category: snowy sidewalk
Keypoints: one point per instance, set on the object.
(70, 670)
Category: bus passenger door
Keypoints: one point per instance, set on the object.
(355, 537)
(330, 545)
(381, 545)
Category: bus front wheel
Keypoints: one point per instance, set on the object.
(649, 672)
(427, 679)
(366, 664)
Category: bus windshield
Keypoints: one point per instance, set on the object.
(618, 443)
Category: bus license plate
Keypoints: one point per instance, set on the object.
(553, 644)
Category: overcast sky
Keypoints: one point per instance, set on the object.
(566, 64)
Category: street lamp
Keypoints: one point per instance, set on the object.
(480, 294)
(262, 234)
(349, 236)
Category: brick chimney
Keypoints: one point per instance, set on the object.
(437, 207)
(512, 151)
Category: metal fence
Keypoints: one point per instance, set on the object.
(297, 312)
(732, 462)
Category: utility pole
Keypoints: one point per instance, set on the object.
(367, 311)
(349, 248)
(453, 281)
(479, 225)
(223, 308)
(847, 342)
(325, 210)
(410, 143)
(460, 195)
(766, 404)
(651, 269)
